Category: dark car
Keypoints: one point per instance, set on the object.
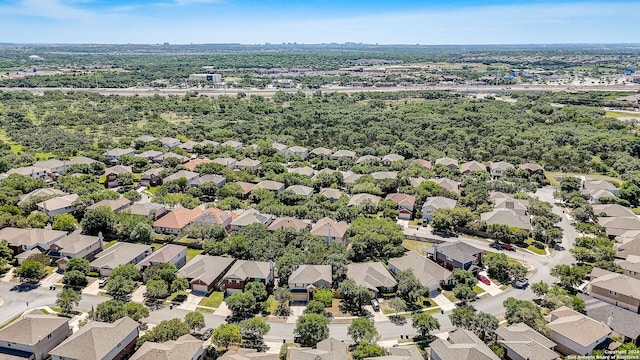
(509, 247)
(521, 283)
(440, 233)
(453, 234)
(496, 246)
(206, 334)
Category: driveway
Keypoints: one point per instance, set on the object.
(296, 311)
(492, 289)
(138, 294)
(92, 289)
(378, 316)
(52, 279)
(190, 303)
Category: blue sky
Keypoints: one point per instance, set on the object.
(320, 21)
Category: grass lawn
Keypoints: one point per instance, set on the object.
(43, 156)
(109, 244)
(536, 250)
(616, 114)
(449, 295)
(44, 311)
(504, 287)
(559, 174)
(214, 300)
(191, 253)
(187, 240)
(156, 246)
(152, 190)
(273, 305)
(178, 295)
(477, 289)
(416, 245)
(335, 309)
(205, 310)
(51, 269)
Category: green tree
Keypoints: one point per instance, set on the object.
(37, 220)
(464, 277)
(441, 220)
(179, 284)
(142, 233)
(101, 219)
(31, 270)
(67, 299)
(365, 350)
(484, 324)
(226, 334)
(283, 296)
(258, 290)
(517, 311)
(135, 310)
(397, 304)
(363, 329)
(78, 264)
(463, 317)
(464, 293)
(325, 296)
(156, 289)
(540, 288)
(253, 331)
(74, 279)
(120, 287)
(108, 311)
(311, 329)
(570, 276)
(194, 320)
(128, 271)
(64, 222)
(409, 287)
(355, 297)
(315, 307)
(424, 323)
(242, 304)
(166, 330)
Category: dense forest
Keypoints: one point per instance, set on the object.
(425, 125)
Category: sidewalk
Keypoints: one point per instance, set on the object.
(222, 310)
(92, 289)
(52, 279)
(8, 276)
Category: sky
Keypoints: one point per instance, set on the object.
(427, 22)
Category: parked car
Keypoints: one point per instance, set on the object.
(509, 247)
(485, 280)
(375, 304)
(521, 283)
(206, 334)
(496, 246)
(102, 282)
(453, 234)
(440, 233)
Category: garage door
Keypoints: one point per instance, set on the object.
(301, 296)
(199, 288)
(233, 291)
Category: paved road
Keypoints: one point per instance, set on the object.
(15, 301)
(472, 89)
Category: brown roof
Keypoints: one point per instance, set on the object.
(115, 205)
(191, 164)
(426, 271)
(424, 163)
(326, 226)
(19, 237)
(402, 199)
(288, 223)
(178, 218)
(246, 187)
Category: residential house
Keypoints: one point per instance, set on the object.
(34, 172)
(205, 272)
(193, 163)
(452, 164)
(217, 180)
(209, 143)
(247, 354)
(289, 223)
(595, 195)
(384, 175)
(406, 204)
(374, 276)
(306, 279)
(319, 151)
(331, 194)
(279, 147)
(119, 254)
(426, 164)
(331, 230)
(32, 336)
(167, 254)
(593, 185)
(415, 182)
(99, 341)
(243, 272)
(360, 199)
(498, 169)
(58, 205)
(433, 203)
(612, 210)
(246, 188)
(114, 154)
(216, 216)
(521, 342)
(615, 288)
(20, 258)
(298, 150)
(169, 142)
(506, 217)
(273, 186)
(389, 159)
(533, 169)
(181, 159)
(235, 145)
(349, 177)
(405, 352)
(615, 226)
(188, 146)
(518, 206)
(186, 347)
(430, 274)
(630, 266)
(81, 160)
(249, 165)
(344, 154)
(188, 175)
(75, 246)
(304, 191)
(305, 171)
(145, 139)
(368, 159)
(41, 193)
(56, 167)
(461, 344)
(627, 248)
(456, 255)
(149, 154)
(151, 177)
(328, 349)
(447, 184)
(117, 205)
(20, 240)
(623, 322)
(150, 210)
(575, 333)
(249, 217)
(111, 174)
(176, 220)
(471, 166)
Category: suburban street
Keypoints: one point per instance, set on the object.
(14, 297)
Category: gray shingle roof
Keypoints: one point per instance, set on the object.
(372, 275)
(184, 348)
(623, 321)
(32, 328)
(206, 268)
(428, 272)
(462, 344)
(245, 269)
(118, 254)
(309, 274)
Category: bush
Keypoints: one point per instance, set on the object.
(93, 274)
(538, 244)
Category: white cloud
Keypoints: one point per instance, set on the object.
(44, 8)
